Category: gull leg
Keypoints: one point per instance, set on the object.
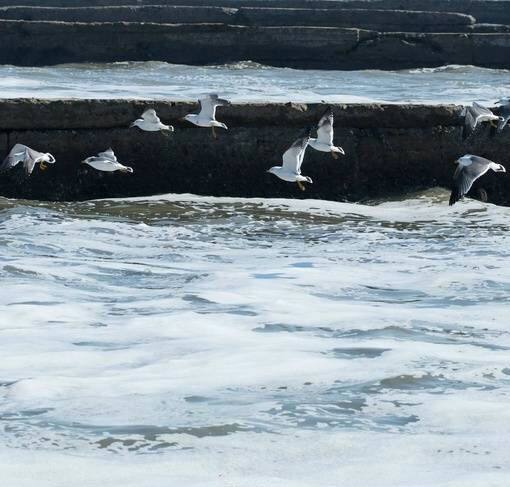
(334, 154)
(42, 166)
(301, 185)
(493, 123)
(214, 133)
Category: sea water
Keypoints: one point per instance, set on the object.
(179, 340)
(252, 82)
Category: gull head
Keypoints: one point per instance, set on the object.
(49, 158)
(190, 117)
(500, 168)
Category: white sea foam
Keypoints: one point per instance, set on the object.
(184, 340)
(252, 82)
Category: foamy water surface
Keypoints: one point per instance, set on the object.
(247, 81)
(181, 340)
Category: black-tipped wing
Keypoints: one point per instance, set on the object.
(293, 156)
(466, 175)
(325, 128)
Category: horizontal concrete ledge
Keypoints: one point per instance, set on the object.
(390, 149)
(485, 11)
(26, 114)
(162, 14)
(379, 20)
(46, 43)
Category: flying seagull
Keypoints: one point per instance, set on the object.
(206, 116)
(475, 115)
(504, 113)
(290, 170)
(106, 161)
(29, 157)
(324, 140)
(469, 169)
(150, 122)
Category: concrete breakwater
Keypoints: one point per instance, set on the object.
(45, 43)
(390, 149)
(379, 20)
(308, 34)
(485, 11)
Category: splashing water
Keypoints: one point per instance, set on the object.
(182, 340)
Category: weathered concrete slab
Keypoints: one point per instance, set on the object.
(389, 149)
(379, 20)
(43, 43)
(485, 11)
(162, 14)
(25, 114)
(46, 43)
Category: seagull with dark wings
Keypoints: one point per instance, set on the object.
(29, 157)
(324, 140)
(469, 169)
(290, 170)
(504, 113)
(475, 115)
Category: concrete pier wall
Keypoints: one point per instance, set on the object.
(46, 43)
(390, 149)
(379, 20)
(485, 11)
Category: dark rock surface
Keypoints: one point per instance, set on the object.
(485, 11)
(379, 20)
(151, 13)
(390, 149)
(46, 43)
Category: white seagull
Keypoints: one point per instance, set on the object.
(324, 140)
(207, 114)
(106, 161)
(504, 113)
(469, 169)
(150, 122)
(29, 157)
(475, 115)
(290, 170)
